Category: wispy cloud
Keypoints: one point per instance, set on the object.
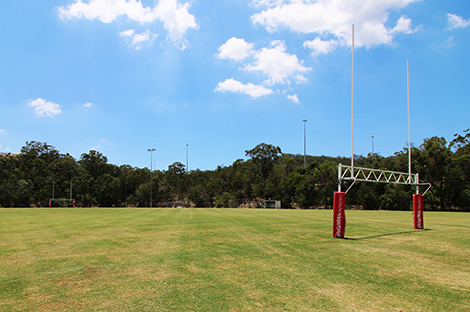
(294, 98)
(138, 39)
(97, 146)
(450, 42)
(43, 108)
(455, 21)
(233, 85)
(3, 131)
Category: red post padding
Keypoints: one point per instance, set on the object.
(418, 211)
(50, 203)
(339, 218)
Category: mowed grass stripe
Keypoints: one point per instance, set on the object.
(231, 260)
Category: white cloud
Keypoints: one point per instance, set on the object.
(403, 25)
(300, 79)
(321, 47)
(294, 98)
(108, 11)
(176, 19)
(267, 3)
(235, 49)
(272, 62)
(2, 131)
(335, 17)
(88, 105)
(138, 39)
(233, 85)
(450, 42)
(43, 108)
(277, 64)
(142, 37)
(455, 21)
(175, 16)
(127, 33)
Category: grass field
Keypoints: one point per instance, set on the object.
(231, 260)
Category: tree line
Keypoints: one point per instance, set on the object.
(29, 179)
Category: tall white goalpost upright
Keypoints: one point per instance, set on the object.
(418, 206)
(352, 104)
(409, 118)
(339, 200)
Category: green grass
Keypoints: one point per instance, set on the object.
(231, 260)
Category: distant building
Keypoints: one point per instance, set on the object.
(8, 154)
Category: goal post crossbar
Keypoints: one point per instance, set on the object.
(70, 200)
(378, 175)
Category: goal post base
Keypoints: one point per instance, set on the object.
(418, 211)
(339, 217)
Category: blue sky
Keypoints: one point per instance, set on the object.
(122, 76)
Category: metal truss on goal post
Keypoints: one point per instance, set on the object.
(378, 175)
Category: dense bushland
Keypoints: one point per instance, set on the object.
(29, 179)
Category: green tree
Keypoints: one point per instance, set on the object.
(94, 163)
(175, 178)
(326, 179)
(434, 161)
(264, 157)
(460, 170)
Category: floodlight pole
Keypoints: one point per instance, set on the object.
(187, 166)
(372, 137)
(305, 144)
(352, 108)
(151, 150)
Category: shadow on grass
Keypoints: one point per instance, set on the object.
(388, 234)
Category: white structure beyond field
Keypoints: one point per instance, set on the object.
(272, 204)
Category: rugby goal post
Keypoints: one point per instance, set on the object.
(71, 200)
(349, 173)
(375, 175)
(53, 199)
